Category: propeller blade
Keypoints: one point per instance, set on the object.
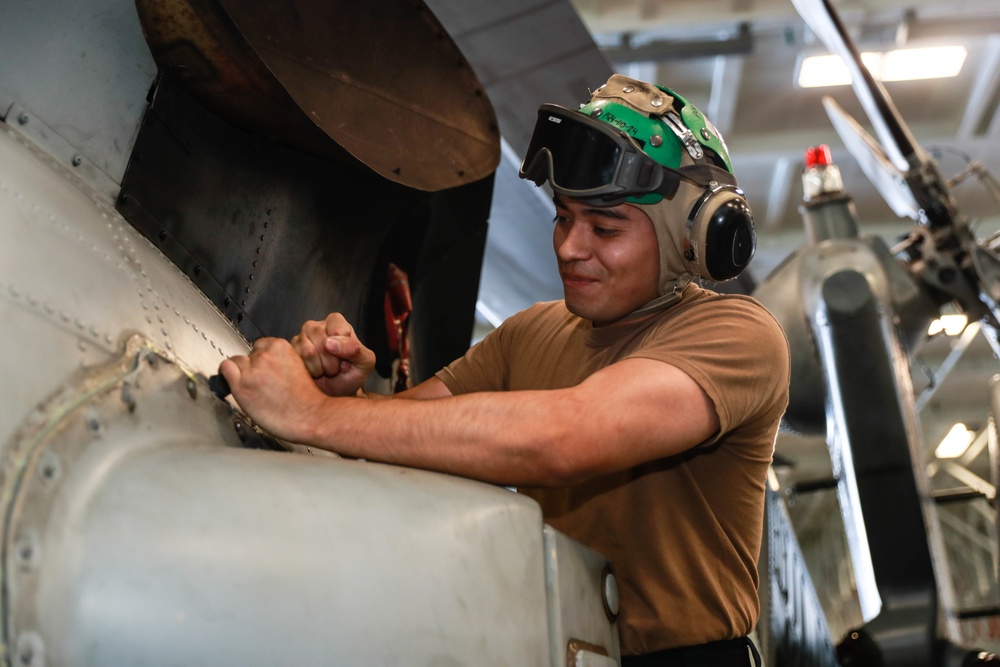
(883, 174)
(900, 146)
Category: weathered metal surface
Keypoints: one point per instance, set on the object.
(76, 280)
(275, 237)
(381, 79)
(137, 531)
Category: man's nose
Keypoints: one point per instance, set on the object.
(573, 244)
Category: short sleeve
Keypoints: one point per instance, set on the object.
(735, 350)
(484, 366)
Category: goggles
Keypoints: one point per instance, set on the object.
(588, 159)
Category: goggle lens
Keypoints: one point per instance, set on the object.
(580, 157)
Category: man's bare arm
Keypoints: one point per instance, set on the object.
(634, 411)
(427, 390)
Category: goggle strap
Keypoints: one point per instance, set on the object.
(702, 175)
(649, 173)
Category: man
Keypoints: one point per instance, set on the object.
(640, 411)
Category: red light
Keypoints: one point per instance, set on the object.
(818, 156)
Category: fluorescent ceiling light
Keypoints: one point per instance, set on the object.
(817, 71)
(940, 62)
(951, 325)
(955, 443)
(900, 65)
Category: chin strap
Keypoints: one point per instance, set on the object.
(663, 301)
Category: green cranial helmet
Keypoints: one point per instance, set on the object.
(667, 128)
(646, 146)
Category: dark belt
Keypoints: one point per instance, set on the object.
(726, 653)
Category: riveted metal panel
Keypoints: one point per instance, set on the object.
(76, 280)
(138, 531)
(81, 70)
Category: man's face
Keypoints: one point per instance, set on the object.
(608, 259)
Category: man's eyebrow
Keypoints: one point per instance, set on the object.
(613, 213)
(599, 211)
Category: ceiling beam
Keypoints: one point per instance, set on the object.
(738, 43)
(726, 77)
(982, 104)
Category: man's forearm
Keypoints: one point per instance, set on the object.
(508, 438)
(431, 388)
(537, 438)
(528, 438)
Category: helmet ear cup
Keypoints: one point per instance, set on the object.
(720, 239)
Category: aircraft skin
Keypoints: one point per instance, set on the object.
(145, 521)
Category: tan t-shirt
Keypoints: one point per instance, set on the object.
(682, 533)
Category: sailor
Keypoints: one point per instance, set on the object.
(640, 411)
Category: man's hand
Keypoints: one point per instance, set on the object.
(273, 387)
(334, 356)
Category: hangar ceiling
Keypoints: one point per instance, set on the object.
(736, 60)
(747, 87)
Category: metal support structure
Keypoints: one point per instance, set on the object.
(957, 350)
(867, 383)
